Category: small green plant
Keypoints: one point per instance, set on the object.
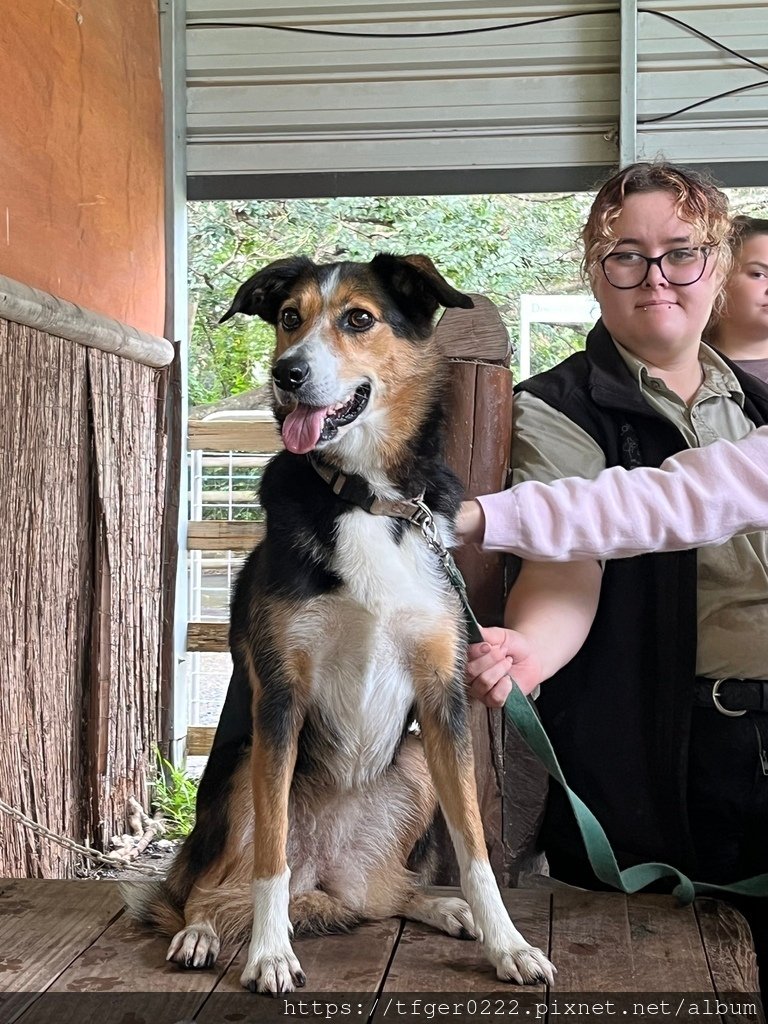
(174, 794)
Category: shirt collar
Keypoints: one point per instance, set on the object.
(718, 375)
(719, 378)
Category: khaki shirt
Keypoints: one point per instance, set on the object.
(732, 577)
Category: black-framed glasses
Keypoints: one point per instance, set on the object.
(678, 266)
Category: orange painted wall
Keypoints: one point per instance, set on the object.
(81, 154)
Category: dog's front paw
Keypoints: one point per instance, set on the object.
(194, 946)
(523, 964)
(273, 973)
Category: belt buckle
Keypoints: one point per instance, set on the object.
(719, 706)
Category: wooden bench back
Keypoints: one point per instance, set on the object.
(511, 784)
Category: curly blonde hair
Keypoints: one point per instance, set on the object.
(697, 201)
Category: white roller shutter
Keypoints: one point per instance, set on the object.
(264, 102)
(676, 68)
(278, 113)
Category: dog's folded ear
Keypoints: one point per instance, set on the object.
(262, 293)
(417, 280)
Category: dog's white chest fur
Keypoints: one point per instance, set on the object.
(385, 577)
(363, 636)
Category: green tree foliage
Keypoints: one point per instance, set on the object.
(500, 246)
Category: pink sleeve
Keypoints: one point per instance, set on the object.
(700, 496)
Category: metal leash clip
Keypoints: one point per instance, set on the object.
(424, 519)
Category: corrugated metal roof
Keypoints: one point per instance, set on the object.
(677, 68)
(265, 103)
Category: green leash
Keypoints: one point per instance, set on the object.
(599, 852)
(521, 714)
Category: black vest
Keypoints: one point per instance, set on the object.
(619, 713)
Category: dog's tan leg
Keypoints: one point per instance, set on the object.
(272, 965)
(443, 711)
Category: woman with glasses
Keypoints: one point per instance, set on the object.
(632, 653)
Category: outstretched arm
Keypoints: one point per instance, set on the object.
(700, 496)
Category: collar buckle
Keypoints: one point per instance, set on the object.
(400, 508)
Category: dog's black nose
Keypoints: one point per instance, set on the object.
(290, 374)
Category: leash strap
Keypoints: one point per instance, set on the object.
(601, 856)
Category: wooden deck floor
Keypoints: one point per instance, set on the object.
(69, 953)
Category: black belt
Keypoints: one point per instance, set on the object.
(731, 696)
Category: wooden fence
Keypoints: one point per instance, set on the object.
(82, 451)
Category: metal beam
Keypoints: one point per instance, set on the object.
(174, 71)
(628, 83)
(462, 181)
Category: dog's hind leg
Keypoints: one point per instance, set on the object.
(196, 944)
(215, 910)
(319, 913)
(209, 879)
(448, 914)
(443, 712)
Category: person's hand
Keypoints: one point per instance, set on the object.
(470, 523)
(503, 653)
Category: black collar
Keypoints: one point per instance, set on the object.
(357, 491)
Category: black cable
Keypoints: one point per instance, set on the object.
(399, 35)
(518, 24)
(703, 35)
(714, 42)
(700, 103)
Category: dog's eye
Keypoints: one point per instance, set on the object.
(290, 319)
(360, 319)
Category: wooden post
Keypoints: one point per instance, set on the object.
(511, 784)
(478, 440)
(479, 430)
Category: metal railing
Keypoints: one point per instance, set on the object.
(223, 498)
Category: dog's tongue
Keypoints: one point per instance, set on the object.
(302, 428)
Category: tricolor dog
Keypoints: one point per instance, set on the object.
(315, 809)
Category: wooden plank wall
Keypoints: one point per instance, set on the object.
(81, 512)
